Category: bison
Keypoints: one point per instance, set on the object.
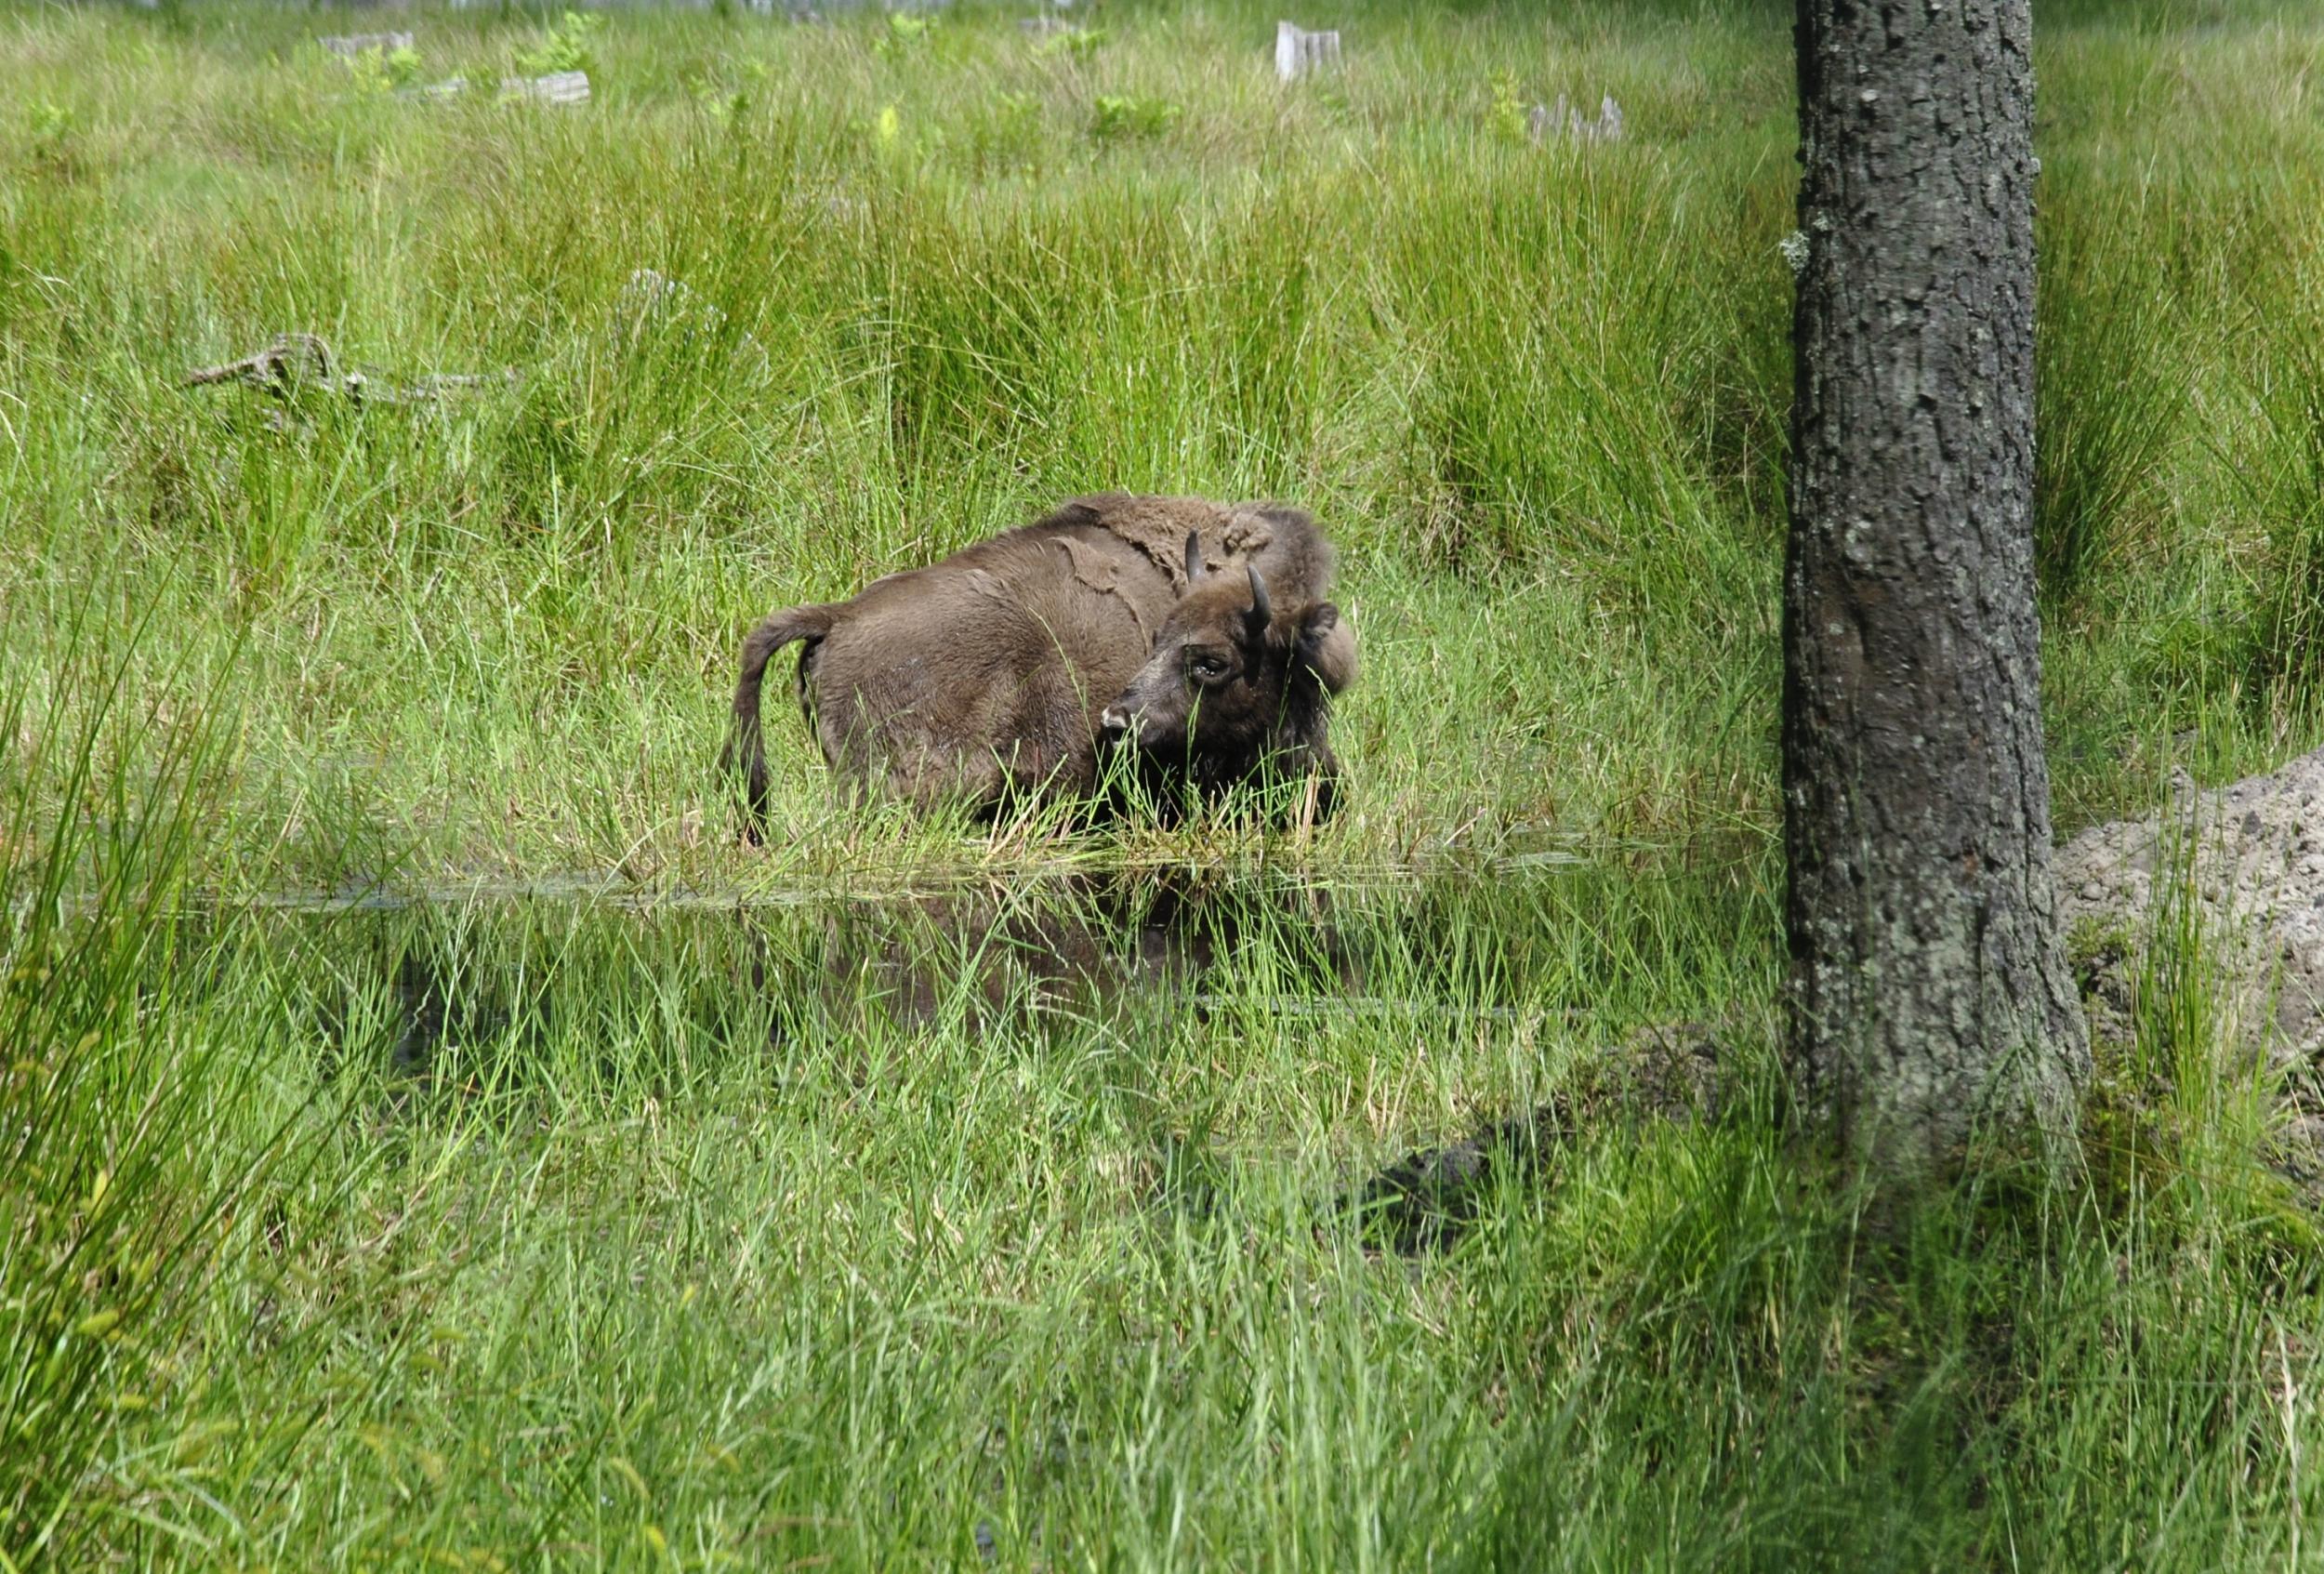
(1188, 638)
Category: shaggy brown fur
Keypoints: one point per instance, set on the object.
(983, 676)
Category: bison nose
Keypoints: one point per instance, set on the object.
(1115, 719)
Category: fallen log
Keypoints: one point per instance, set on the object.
(292, 364)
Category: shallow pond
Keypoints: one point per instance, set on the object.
(473, 993)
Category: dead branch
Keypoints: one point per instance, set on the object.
(293, 364)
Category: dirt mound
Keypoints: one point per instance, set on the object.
(2247, 862)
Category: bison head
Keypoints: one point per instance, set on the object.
(1235, 683)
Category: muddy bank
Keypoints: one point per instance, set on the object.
(2246, 864)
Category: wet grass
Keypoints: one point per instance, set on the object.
(430, 1138)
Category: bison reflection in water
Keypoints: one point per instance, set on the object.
(506, 991)
(1075, 947)
(1195, 631)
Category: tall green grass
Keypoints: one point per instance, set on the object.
(138, 1137)
(849, 1232)
(1537, 394)
(956, 314)
(867, 1199)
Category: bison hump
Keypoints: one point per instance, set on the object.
(1245, 535)
(1158, 527)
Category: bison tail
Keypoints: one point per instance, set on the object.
(745, 752)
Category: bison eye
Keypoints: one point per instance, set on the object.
(1206, 666)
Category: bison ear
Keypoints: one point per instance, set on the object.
(1328, 646)
(1193, 558)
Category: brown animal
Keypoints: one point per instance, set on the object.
(984, 676)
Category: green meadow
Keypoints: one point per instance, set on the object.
(430, 1139)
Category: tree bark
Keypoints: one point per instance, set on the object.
(1930, 997)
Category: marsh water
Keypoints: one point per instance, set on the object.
(470, 996)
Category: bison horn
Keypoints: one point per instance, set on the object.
(1261, 611)
(1194, 556)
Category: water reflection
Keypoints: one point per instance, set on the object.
(449, 982)
(1075, 948)
(839, 997)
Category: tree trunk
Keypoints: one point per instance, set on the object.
(1930, 996)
